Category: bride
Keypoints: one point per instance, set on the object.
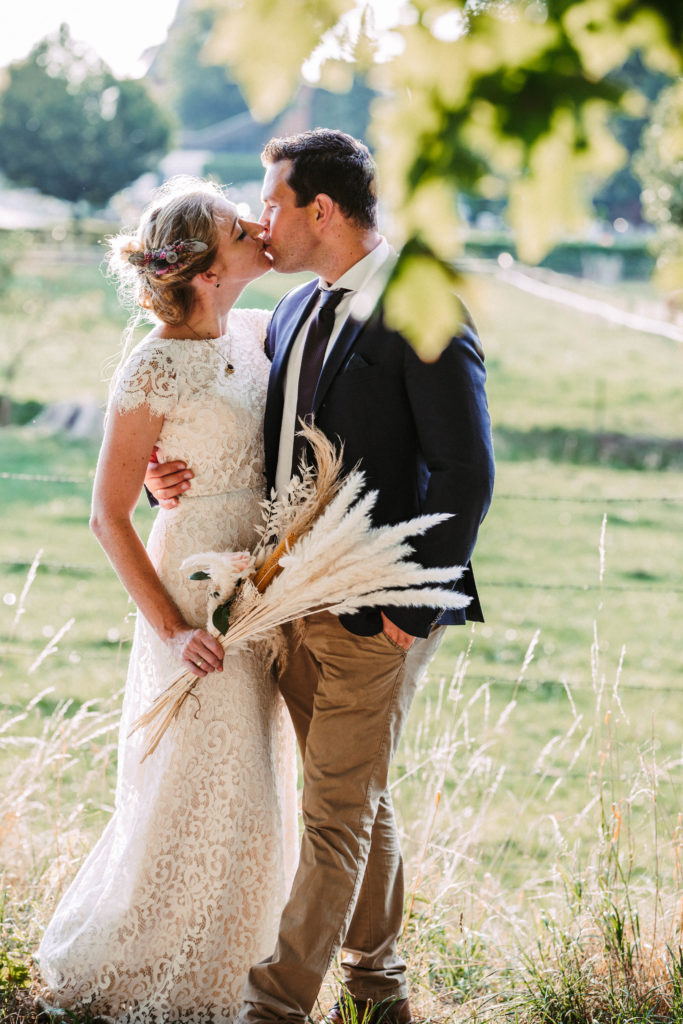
(183, 891)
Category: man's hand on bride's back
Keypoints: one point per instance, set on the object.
(167, 480)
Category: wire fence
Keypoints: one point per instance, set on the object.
(44, 478)
(74, 569)
(88, 570)
(578, 499)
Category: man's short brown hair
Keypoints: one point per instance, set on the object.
(332, 162)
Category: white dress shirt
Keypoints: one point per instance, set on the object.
(364, 281)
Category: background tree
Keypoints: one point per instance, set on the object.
(659, 166)
(620, 196)
(348, 110)
(69, 128)
(199, 93)
(502, 97)
(212, 111)
(207, 105)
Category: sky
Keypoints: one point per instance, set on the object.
(119, 32)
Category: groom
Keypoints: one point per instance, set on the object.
(421, 434)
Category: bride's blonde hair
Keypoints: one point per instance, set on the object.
(182, 209)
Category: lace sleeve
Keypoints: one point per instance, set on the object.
(148, 377)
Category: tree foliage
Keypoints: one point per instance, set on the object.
(659, 166)
(199, 92)
(202, 94)
(348, 111)
(619, 196)
(69, 128)
(488, 96)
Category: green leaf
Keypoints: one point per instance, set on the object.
(13, 973)
(420, 301)
(221, 617)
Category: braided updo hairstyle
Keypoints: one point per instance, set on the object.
(183, 208)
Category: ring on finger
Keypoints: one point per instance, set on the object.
(199, 663)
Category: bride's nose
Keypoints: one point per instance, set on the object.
(252, 228)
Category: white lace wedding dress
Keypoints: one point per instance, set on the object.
(183, 891)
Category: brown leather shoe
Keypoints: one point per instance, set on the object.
(348, 1010)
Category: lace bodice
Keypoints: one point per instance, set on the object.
(212, 420)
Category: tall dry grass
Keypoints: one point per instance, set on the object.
(558, 919)
(514, 911)
(56, 793)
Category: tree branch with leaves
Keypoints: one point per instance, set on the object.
(508, 97)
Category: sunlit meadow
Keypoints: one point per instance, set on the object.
(538, 784)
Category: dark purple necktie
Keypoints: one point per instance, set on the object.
(312, 359)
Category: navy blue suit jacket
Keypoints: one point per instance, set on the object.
(421, 432)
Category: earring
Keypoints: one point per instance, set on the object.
(218, 284)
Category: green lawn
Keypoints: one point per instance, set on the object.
(537, 561)
(62, 324)
(538, 568)
(511, 782)
(552, 367)
(549, 367)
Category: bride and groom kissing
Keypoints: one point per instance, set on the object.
(195, 904)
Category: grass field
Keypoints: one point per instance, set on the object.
(536, 764)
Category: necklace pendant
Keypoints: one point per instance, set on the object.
(229, 369)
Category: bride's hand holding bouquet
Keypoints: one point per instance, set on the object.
(200, 649)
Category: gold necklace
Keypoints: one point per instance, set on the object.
(229, 368)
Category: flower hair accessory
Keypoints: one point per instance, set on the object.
(169, 257)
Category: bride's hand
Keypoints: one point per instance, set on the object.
(200, 651)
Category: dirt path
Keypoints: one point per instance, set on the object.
(527, 282)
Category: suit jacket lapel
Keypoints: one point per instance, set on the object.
(335, 360)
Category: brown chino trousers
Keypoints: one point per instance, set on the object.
(349, 697)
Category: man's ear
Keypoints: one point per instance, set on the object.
(323, 209)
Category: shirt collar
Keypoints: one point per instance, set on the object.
(357, 276)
